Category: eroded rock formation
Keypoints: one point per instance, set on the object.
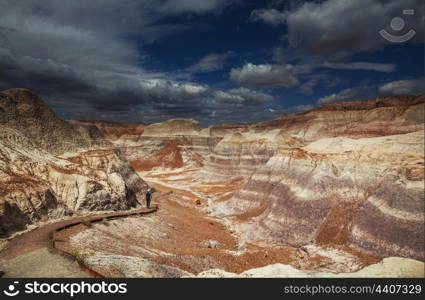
(346, 174)
(38, 181)
(173, 127)
(341, 185)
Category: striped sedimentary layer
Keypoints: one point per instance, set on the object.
(244, 148)
(38, 189)
(346, 174)
(367, 193)
(171, 152)
(242, 153)
(355, 119)
(35, 185)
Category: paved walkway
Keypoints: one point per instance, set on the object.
(33, 254)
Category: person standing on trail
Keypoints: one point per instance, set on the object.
(148, 198)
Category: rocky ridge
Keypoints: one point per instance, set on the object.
(39, 180)
(362, 160)
(340, 184)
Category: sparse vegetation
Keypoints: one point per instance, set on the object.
(54, 236)
(86, 223)
(81, 255)
(105, 222)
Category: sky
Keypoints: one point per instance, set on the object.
(215, 61)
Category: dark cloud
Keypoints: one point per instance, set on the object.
(408, 86)
(325, 35)
(312, 80)
(269, 16)
(399, 87)
(81, 57)
(87, 58)
(359, 92)
(327, 27)
(360, 66)
(289, 75)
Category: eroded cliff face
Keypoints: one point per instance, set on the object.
(38, 181)
(110, 131)
(338, 191)
(26, 112)
(173, 127)
(343, 175)
(333, 189)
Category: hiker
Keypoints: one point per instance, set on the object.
(148, 198)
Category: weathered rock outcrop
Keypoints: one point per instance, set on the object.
(26, 112)
(391, 267)
(336, 175)
(223, 129)
(110, 130)
(173, 127)
(37, 184)
(341, 192)
(347, 176)
(355, 119)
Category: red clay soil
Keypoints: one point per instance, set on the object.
(15, 183)
(187, 229)
(246, 216)
(257, 256)
(169, 157)
(219, 187)
(165, 175)
(190, 227)
(335, 230)
(174, 190)
(119, 132)
(337, 225)
(224, 198)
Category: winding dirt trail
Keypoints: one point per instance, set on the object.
(33, 254)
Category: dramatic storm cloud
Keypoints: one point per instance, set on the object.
(341, 25)
(320, 36)
(212, 60)
(81, 53)
(399, 87)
